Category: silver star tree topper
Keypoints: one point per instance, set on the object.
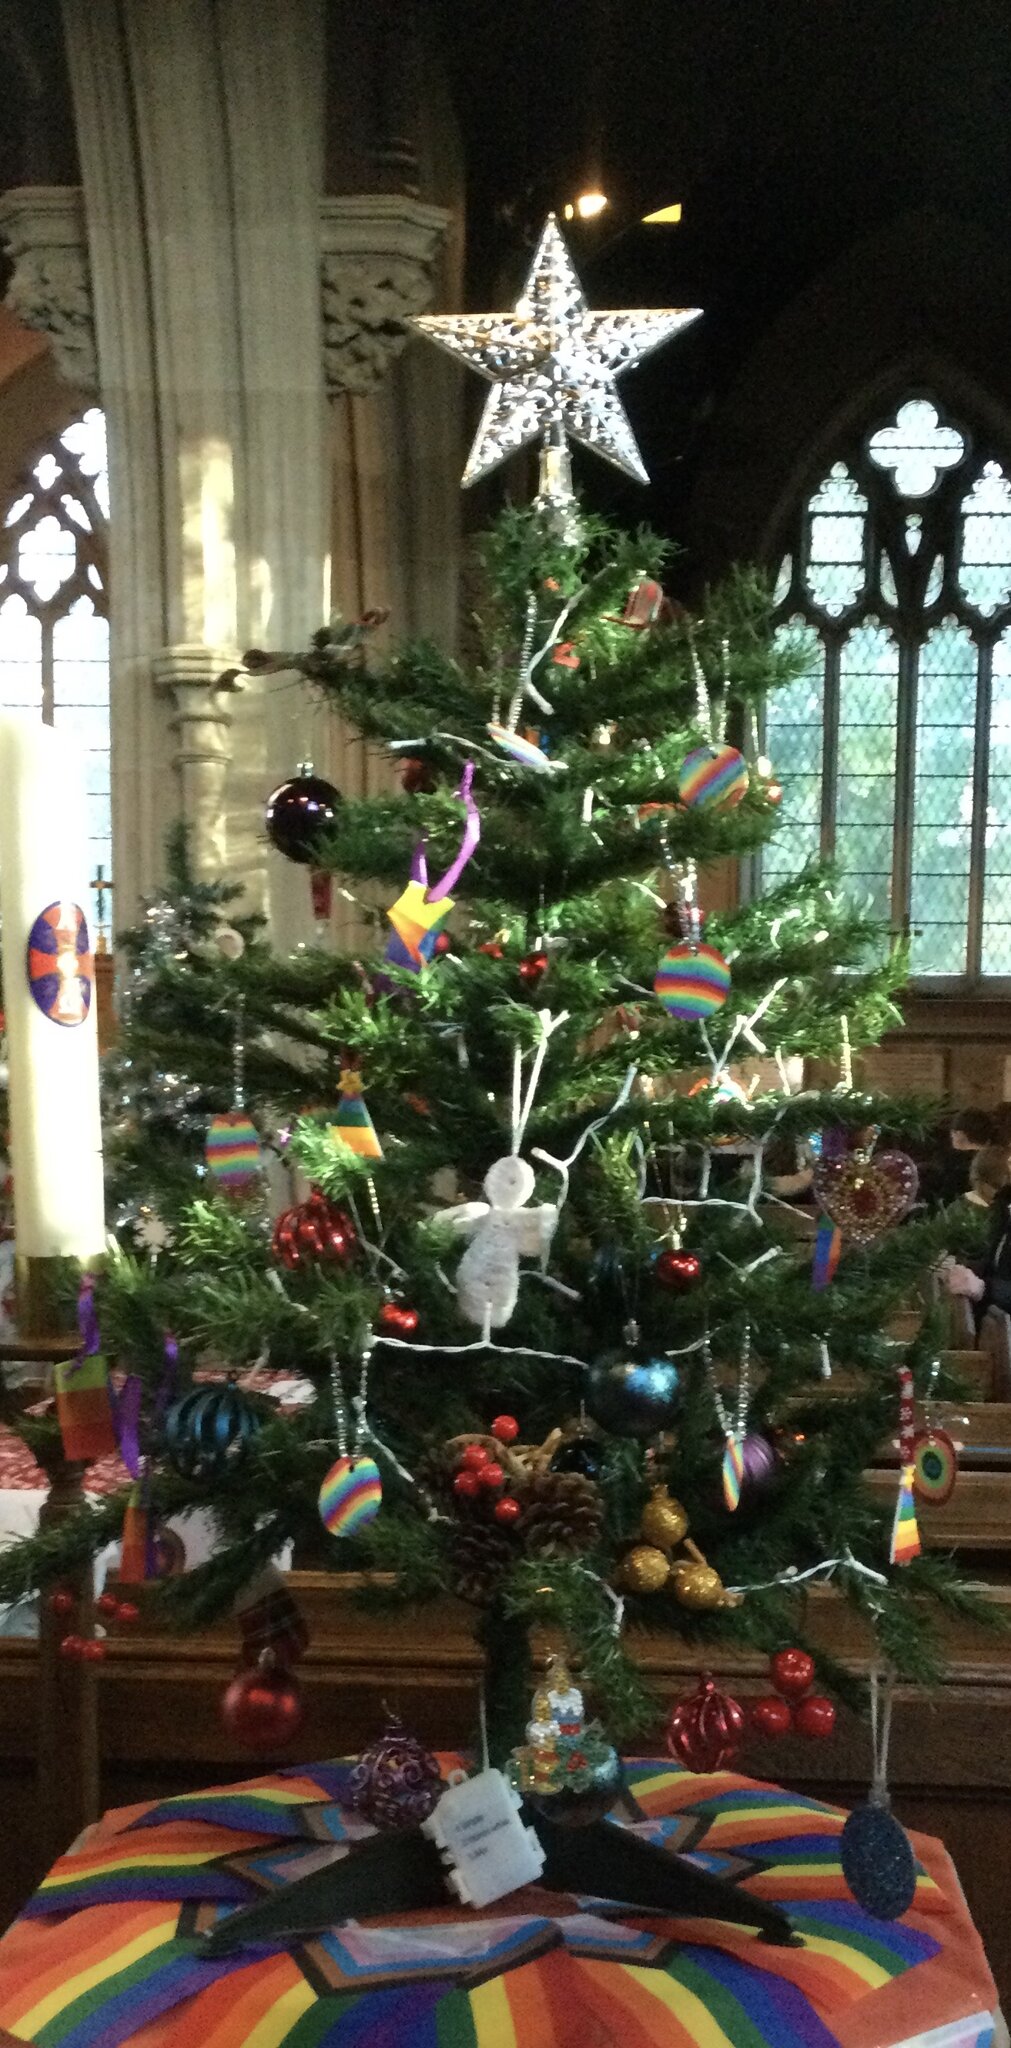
(552, 365)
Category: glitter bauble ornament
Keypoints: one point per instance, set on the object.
(634, 1397)
(209, 1430)
(663, 1521)
(770, 1717)
(315, 1232)
(678, 1271)
(706, 1729)
(697, 1585)
(582, 1454)
(299, 814)
(644, 1569)
(396, 1783)
(262, 1708)
(878, 1862)
(533, 967)
(791, 1672)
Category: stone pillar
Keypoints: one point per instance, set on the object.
(194, 680)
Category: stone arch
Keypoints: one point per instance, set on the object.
(924, 302)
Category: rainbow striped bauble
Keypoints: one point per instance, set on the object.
(232, 1150)
(692, 985)
(714, 778)
(350, 1495)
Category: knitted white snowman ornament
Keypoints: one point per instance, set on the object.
(501, 1230)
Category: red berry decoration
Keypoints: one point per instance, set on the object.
(71, 1647)
(473, 1456)
(443, 943)
(91, 1651)
(770, 1716)
(262, 1708)
(676, 1270)
(107, 1605)
(62, 1603)
(396, 1320)
(814, 1717)
(314, 1232)
(505, 1428)
(533, 967)
(128, 1613)
(774, 792)
(491, 1476)
(507, 1511)
(705, 1730)
(493, 949)
(791, 1672)
(467, 1485)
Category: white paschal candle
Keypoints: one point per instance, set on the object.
(52, 1051)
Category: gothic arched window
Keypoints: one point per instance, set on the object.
(895, 749)
(54, 619)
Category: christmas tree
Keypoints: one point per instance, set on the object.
(565, 1349)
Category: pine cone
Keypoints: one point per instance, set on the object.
(562, 1515)
(479, 1551)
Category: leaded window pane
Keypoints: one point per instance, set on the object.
(996, 950)
(835, 552)
(943, 799)
(916, 448)
(868, 730)
(985, 568)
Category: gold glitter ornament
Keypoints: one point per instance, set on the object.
(664, 1521)
(644, 1570)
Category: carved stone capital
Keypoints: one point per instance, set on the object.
(379, 252)
(44, 229)
(199, 681)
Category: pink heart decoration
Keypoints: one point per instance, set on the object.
(865, 1196)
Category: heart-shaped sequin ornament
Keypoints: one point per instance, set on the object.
(864, 1196)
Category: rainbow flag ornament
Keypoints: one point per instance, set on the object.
(352, 1125)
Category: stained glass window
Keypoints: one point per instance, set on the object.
(895, 749)
(54, 625)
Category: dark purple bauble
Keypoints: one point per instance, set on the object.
(761, 1465)
(582, 1454)
(396, 1783)
(878, 1862)
(633, 1396)
(299, 814)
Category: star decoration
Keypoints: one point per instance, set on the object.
(553, 364)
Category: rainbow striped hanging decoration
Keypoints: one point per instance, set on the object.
(905, 1544)
(350, 1496)
(827, 1247)
(352, 1124)
(692, 983)
(232, 1151)
(713, 778)
(733, 1472)
(135, 1560)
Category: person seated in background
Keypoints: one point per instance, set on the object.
(945, 1175)
(987, 1281)
(988, 1173)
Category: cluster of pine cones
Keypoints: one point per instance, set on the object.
(560, 1516)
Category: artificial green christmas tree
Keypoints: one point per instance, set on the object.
(564, 1348)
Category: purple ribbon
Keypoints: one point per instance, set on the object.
(471, 836)
(87, 1323)
(126, 1420)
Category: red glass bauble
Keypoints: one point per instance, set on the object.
(791, 1672)
(491, 1476)
(262, 1708)
(128, 1613)
(398, 1320)
(473, 1456)
(814, 1717)
(418, 777)
(770, 1716)
(71, 1647)
(107, 1604)
(315, 1230)
(532, 967)
(62, 1603)
(507, 1511)
(467, 1484)
(505, 1428)
(91, 1651)
(676, 1270)
(705, 1730)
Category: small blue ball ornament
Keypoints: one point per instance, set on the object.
(878, 1862)
(208, 1430)
(632, 1396)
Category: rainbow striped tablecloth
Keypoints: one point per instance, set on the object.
(105, 1955)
